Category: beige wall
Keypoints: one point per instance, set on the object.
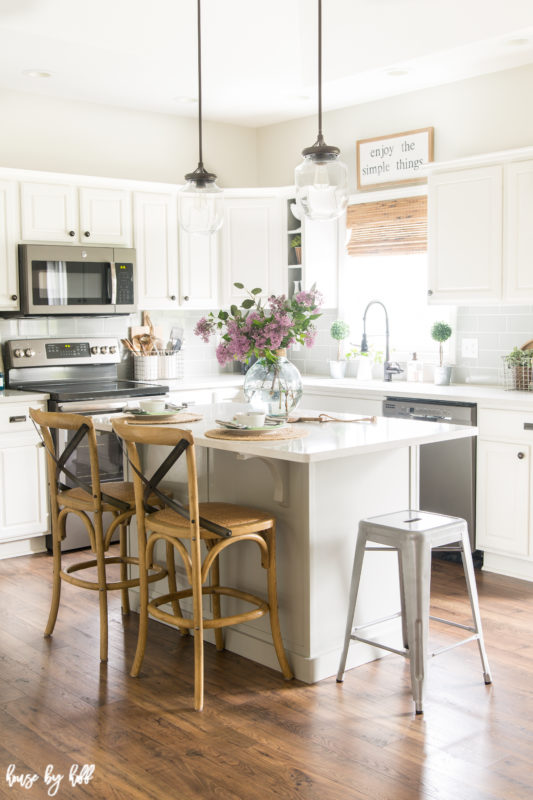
(68, 136)
(479, 115)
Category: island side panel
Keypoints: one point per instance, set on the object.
(342, 492)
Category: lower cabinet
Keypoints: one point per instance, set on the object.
(318, 401)
(23, 486)
(504, 488)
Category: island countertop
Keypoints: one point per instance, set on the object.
(323, 441)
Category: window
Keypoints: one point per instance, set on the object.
(387, 261)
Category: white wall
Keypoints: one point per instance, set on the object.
(479, 115)
(67, 136)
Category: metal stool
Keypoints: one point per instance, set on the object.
(413, 534)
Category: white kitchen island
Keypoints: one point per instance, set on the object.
(318, 487)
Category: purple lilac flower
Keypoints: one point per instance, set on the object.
(203, 328)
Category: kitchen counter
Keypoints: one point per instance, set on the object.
(15, 396)
(318, 488)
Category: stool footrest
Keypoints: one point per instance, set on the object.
(404, 653)
(377, 621)
(454, 624)
(473, 638)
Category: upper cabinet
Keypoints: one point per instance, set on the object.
(316, 259)
(9, 237)
(479, 230)
(65, 213)
(156, 243)
(253, 246)
(199, 261)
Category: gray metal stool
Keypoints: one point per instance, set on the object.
(413, 534)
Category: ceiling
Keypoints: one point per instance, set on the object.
(259, 58)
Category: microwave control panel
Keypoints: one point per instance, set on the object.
(125, 291)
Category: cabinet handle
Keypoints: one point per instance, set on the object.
(528, 426)
(172, 296)
(87, 233)
(14, 297)
(72, 233)
(22, 418)
(520, 455)
(430, 292)
(186, 297)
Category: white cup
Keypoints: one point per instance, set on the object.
(252, 419)
(153, 406)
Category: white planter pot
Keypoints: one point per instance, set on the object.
(337, 369)
(442, 376)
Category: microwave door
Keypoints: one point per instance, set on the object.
(69, 285)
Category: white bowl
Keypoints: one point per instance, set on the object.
(153, 406)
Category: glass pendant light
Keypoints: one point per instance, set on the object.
(321, 179)
(201, 200)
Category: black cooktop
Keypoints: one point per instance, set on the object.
(62, 391)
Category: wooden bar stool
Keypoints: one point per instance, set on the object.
(84, 500)
(219, 526)
(414, 534)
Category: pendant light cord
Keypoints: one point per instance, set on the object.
(320, 136)
(200, 155)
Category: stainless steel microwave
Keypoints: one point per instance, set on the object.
(63, 279)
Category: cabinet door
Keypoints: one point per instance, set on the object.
(465, 236)
(9, 236)
(518, 232)
(105, 216)
(320, 262)
(503, 490)
(198, 270)
(49, 212)
(23, 498)
(156, 242)
(252, 242)
(347, 405)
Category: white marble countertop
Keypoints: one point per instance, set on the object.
(324, 441)
(16, 396)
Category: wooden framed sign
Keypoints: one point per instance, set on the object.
(397, 158)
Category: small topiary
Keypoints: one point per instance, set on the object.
(339, 331)
(441, 332)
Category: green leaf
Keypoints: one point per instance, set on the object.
(239, 285)
(256, 291)
(247, 303)
(315, 316)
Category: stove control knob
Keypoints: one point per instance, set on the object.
(19, 353)
(29, 352)
(112, 349)
(94, 350)
(103, 349)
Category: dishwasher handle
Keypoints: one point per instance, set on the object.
(425, 418)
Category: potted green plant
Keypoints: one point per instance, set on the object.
(339, 331)
(441, 332)
(296, 245)
(518, 365)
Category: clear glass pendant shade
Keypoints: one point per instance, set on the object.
(201, 207)
(321, 187)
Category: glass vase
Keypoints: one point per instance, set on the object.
(275, 387)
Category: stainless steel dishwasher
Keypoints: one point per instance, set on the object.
(447, 469)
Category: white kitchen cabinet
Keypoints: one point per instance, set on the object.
(518, 232)
(198, 270)
(156, 243)
(322, 249)
(465, 235)
(330, 403)
(23, 484)
(105, 216)
(253, 246)
(53, 212)
(504, 477)
(9, 237)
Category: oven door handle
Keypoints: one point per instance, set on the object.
(113, 273)
(89, 409)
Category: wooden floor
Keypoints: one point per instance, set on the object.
(260, 737)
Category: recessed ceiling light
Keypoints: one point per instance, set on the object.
(518, 42)
(185, 100)
(37, 73)
(396, 72)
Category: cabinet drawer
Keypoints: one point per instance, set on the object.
(15, 419)
(510, 425)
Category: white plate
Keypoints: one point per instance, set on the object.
(233, 426)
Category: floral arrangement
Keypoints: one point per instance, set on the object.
(254, 329)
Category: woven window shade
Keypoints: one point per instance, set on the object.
(388, 227)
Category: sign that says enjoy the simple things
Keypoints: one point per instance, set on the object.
(397, 158)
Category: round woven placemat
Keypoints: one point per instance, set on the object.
(257, 436)
(182, 417)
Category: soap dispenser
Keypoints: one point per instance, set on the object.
(414, 369)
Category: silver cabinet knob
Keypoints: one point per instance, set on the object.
(29, 352)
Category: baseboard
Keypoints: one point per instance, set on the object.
(22, 547)
(508, 565)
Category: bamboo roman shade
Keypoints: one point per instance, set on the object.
(388, 227)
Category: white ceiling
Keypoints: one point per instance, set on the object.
(259, 56)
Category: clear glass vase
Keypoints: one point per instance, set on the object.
(274, 387)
